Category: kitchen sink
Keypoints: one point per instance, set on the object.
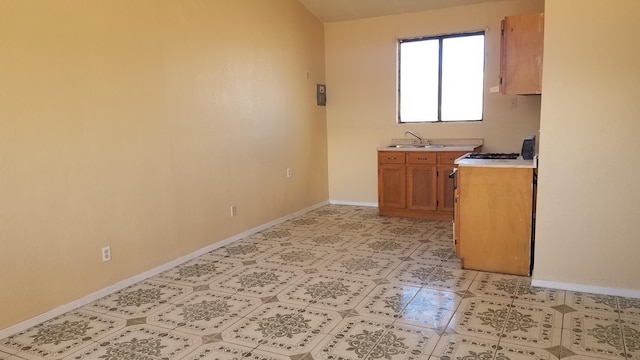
(403, 146)
(410, 146)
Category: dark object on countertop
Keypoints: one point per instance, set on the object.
(529, 147)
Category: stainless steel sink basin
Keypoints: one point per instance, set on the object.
(402, 146)
(409, 146)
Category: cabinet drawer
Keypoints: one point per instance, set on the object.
(427, 158)
(391, 157)
(449, 157)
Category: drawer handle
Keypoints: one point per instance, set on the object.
(391, 158)
(423, 159)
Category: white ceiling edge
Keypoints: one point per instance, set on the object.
(329, 11)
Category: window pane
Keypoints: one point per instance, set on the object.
(419, 81)
(462, 78)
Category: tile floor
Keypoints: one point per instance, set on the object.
(339, 282)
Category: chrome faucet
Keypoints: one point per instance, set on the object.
(416, 136)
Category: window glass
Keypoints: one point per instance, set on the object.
(419, 80)
(441, 78)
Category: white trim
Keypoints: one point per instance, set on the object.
(11, 330)
(586, 288)
(353, 203)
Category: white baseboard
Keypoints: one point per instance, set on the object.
(147, 274)
(353, 203)
(586, 288)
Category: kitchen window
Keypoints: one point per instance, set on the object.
(441, 78)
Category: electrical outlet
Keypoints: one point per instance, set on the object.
(234, 211)
(106, 253)
(288, 172)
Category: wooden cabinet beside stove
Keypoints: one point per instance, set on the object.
(493, 218)
(416, 184)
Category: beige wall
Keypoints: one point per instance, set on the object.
(361, 91)
(137, 124)
(588, 199)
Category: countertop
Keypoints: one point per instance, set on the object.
(499, 163)
(435, 145)
(465, 148)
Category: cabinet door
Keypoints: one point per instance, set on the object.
(421, 187)
(521, 54)
(391, 186)
(445, 188)
(494, 218)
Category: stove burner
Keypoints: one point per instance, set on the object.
(507, 156)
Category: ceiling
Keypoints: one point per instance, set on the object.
(341, 10)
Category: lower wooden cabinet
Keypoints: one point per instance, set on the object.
(493, 219)
(416, 184)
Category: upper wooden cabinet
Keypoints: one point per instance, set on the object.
(521, 54)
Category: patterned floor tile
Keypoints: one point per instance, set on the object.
(434, 252)
(408, 233)
(396, 282)
(496, 285)
(257, 280)
(532, 326)
(430, 308)
(443, 236)
(593, 334)
(592, 302)
(279, 234)
(452, 264)
(248, 250)
(631, 336)
(62, 335)
(515, 287)
(4, 356)
(204, 313)
(360, 265)
(140, 299)
(387, 301)
(228, 351)
(421, 273)
(629, 307)
(307, 222)
(387, 246)
(453, 346)
(360, 337)
(352, 226)
(579, 357)
(298, 257)
(515, 352)
(481, 317)
(140, 342)
(283, 328)
(328, 241)
(327, 291)
(536, 295)
(200, 271)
